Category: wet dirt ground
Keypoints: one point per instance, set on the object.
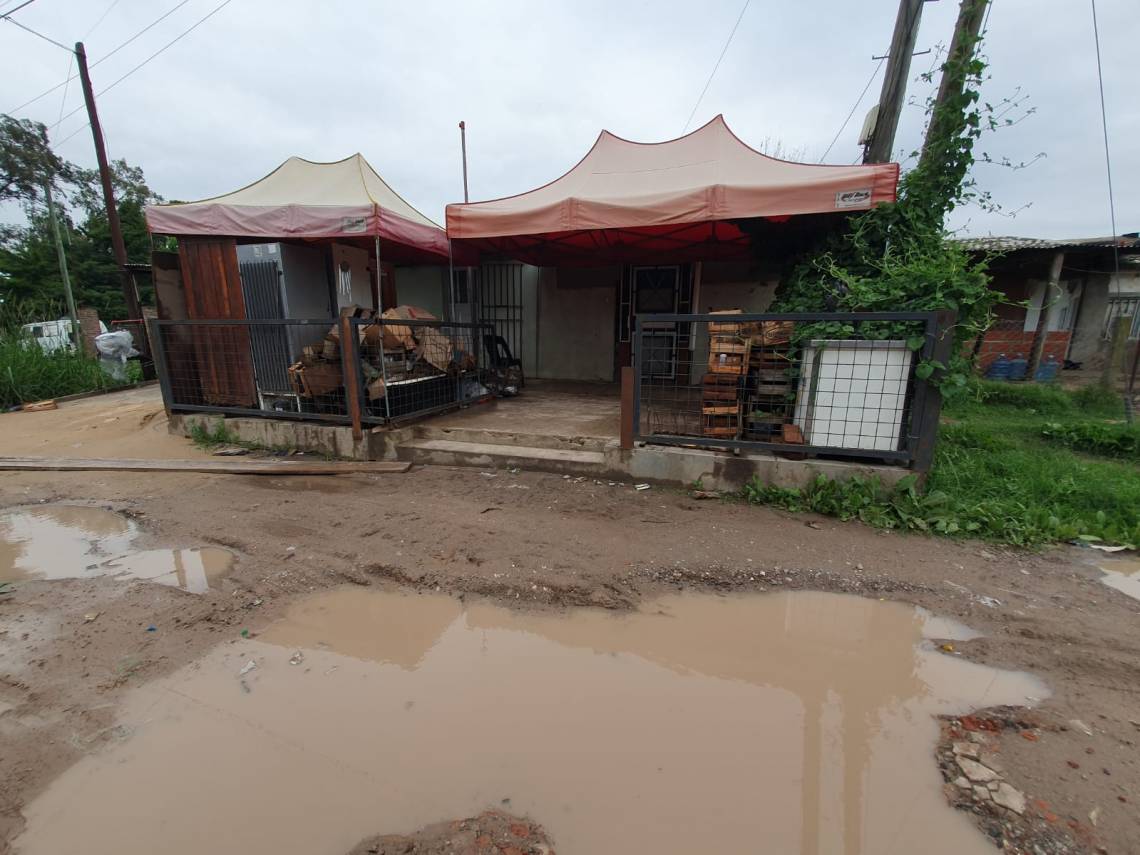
(540, 544)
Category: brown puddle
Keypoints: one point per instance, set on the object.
(793, 723)
(68, 542)
(1122, 574)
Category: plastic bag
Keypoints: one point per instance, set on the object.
(115, 348)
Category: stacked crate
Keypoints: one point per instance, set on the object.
(769, 399)
(729, 350)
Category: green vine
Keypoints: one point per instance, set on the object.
(897, 257)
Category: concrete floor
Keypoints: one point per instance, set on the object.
(546, 408)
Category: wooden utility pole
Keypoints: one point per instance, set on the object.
(882, 140)
(962, 47)
(130, 292)
(76, 333)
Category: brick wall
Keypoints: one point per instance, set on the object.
(1009, 338)
(89, 325)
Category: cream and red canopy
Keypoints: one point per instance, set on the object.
(627, 200)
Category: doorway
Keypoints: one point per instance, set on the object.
(665, 289)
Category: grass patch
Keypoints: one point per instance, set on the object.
(207, 436)
(1006, 469)
(28, 373)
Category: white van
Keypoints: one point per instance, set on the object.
(54, 335)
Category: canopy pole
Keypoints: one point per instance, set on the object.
(379, 280)
(450, 284)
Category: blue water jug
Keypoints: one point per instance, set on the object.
(999, 368)
(1018, 367)
(1047, 370)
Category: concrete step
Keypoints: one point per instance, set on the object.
(445, 452)
(489, 436)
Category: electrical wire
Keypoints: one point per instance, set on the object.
(95, 26)
(723, 51)
(111, 86)
(105, 56)
(16, 9)
(1107, 156)
(28, 29)
(162, 49)
(854, 107)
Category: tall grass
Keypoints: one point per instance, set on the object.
(28, 373)
(1021, 464)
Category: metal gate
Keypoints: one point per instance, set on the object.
(500, 300)
(261, 291)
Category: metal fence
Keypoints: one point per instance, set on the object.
(356, 370)
(840, 385)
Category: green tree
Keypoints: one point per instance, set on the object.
(26, 160)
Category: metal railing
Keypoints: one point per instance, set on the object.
(352, 370)
(833, 385)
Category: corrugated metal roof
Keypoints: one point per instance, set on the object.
(1021, 244)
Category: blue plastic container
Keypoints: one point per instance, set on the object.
(1047, 370)
(1018, 367)
(999, 368)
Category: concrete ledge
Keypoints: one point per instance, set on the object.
(717, 470)
(330, 440)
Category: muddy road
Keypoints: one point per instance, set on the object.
(72, 651)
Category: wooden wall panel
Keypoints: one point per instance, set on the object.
(212, 284)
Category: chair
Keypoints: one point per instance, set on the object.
(501, 358)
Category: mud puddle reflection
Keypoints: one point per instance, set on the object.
(1122, 574)
(68, 542)
(792, 723)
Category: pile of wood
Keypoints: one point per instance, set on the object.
(393, 350)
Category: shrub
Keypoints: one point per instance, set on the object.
(1107, 440)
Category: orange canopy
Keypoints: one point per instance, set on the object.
(626, 200)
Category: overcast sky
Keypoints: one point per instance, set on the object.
(535, 81)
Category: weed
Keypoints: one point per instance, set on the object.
(1005, 471)
(1106, 440)
(206, 436)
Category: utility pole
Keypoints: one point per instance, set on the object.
(463, 145)
(962, 47)
(130, 293)
(76, 333)
(882, 140)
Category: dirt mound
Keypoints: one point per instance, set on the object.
(491, 833)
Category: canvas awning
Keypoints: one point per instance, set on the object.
(302, 199)
(682, 198)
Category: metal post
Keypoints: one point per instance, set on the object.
(350, 364)
(463, 145)
(636, 345)
(928, 399)
(154, 333)
(76, 333)
(380, 321)
(627, 395)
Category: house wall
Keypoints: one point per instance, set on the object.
(575, 310)
(423, 286)
(357, 260)
(530, 299)
(728, 285)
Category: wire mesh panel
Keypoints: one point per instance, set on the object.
(252, 367)
(413, 367)
(840, 385)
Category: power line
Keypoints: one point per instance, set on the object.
(855, 107)
(166, 46)
(111, 86)
(26, 28)
(723, 51)
(106, 56)
(1107, 157)
(95, 26)
(17, 8)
